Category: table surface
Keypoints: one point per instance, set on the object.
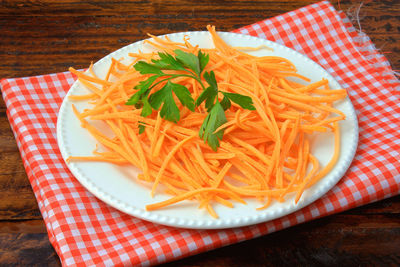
(39, 37)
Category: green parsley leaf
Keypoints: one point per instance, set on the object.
(211, 100)
(146, 109)
(168, 62)
(147, 68)
(183, 95)
(204, 95)
(143, 87)
(210, 78)
(209, 95)
(189, 60)
(142, 127)
(203, 60)
(244, 101)
(133, 100)
(164, 98)
(214, 119)
(169, 110)
(225, 103)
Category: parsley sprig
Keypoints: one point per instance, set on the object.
(191, 66)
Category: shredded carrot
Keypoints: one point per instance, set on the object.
(265, 154)
(190, 194)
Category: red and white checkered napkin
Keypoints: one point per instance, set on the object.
(86, 231)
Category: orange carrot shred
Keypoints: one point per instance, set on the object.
(265, 154)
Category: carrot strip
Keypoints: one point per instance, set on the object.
(265, 154)
(166, 161)
(190, 194)
(89, 78)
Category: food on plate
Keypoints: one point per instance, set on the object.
(213, 125)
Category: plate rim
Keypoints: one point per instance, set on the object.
(208, 223)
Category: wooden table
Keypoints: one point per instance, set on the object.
(40, 37)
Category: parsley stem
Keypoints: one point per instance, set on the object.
(172, 76)
(163, 80)
(194, 77)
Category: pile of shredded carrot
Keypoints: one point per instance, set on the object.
(264, 154)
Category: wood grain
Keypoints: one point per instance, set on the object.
(49, 36)
(365, 236)
(39, 37)
(26, 249)
(17, 201)
(348, 245)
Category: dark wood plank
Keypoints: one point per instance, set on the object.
(363, 236)
(17, 200)
(46, 36)
(18, 205)
(147, 8)
(27, 249)
(7, 140)
(332, 241)
(24, 226)
(366, 236)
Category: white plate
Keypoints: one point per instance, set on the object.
(118, 187)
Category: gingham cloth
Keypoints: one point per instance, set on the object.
(86, 231)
